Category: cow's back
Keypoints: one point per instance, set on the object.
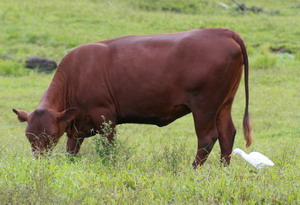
(154, 77)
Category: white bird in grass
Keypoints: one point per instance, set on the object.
(257, 159)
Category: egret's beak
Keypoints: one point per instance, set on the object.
(231, 155)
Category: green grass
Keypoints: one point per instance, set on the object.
(152, 165)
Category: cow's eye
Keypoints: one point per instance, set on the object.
(54, 135)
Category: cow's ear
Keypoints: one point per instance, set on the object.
(68, 115)
(22, 115)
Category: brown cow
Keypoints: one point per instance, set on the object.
(152, 79)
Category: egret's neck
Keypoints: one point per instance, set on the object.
(242, 153)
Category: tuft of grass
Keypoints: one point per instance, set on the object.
(264, 61)
(10, 67)
(174, 157)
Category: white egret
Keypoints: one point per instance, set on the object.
(256, 159)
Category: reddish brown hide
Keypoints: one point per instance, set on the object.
(152, 79)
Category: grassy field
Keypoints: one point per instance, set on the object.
(151, 165)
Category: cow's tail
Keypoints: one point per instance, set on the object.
(246, 122)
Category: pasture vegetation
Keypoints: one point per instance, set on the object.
(151, 165)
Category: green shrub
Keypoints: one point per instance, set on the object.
(115, 153)
(175, 157)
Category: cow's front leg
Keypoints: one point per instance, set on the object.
(73, 145)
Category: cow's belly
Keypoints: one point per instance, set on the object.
(160, 117)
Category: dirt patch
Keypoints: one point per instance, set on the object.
(279, 50)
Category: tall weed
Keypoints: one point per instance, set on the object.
(114, 153)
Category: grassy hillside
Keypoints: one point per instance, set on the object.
(152, 165)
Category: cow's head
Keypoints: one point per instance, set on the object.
(45, 127)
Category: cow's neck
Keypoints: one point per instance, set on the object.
(54, 96)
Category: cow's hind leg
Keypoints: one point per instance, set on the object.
(207, 134)
(226, 131)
